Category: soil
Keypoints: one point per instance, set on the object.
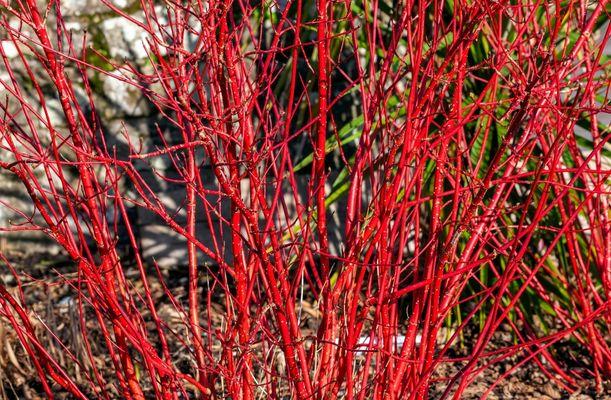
(43, 281)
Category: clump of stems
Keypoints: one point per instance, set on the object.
(419, 177)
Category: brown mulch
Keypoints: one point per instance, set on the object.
(51, 299)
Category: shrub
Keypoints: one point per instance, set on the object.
(371, 196)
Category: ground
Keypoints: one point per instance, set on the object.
(50, 298)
